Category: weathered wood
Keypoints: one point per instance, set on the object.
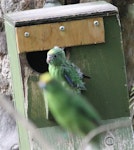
(107, 89)
(17, 84)
(60, 139)
(61, 13)
(117, 139)
(46, 36)
(104, 62)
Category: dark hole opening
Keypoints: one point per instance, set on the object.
(37, 61)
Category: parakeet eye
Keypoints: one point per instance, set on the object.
(55, 56)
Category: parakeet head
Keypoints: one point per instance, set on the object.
(46, 83)
(44, 79)
(56, 56)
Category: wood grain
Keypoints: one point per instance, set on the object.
(61, 13)
(46, 36)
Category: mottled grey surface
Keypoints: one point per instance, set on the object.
(8, 131)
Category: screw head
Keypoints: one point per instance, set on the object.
(96, 23)
(27, 34)
(62, 28)
(109, 141)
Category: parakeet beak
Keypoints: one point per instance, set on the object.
(44, 79)
(49, 58)
(41, 84)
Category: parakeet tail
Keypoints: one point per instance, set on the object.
(87, 77)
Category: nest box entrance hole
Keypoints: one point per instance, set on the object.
(37, 61)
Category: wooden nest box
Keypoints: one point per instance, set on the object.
(92, 30)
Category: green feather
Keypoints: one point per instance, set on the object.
(63, 70)
(69, 109)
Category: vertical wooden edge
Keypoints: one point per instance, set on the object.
(17, 83)
(17, 42)
(121, 42)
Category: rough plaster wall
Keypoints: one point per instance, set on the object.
(5, 76)
(8, 6)
(128, 41)
(8, 132)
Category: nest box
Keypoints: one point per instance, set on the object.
(93, 33)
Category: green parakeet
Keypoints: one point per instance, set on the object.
(69, 109)
(63, 70)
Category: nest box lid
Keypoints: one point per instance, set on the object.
(61, 13)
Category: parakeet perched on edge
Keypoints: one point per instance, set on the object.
(63, 70)
(69, 109)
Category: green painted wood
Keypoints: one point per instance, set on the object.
(117, 139)
(18, 92)
(59, 139)
(36, 111)
(107, 89)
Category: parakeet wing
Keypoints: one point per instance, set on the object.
(87, 110)
(73, 76)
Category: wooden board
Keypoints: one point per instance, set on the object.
(61, 13)
(118, 139)
(46, 36)
(17, 84)
(107, 88)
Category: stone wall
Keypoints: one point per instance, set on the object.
(8, 6)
